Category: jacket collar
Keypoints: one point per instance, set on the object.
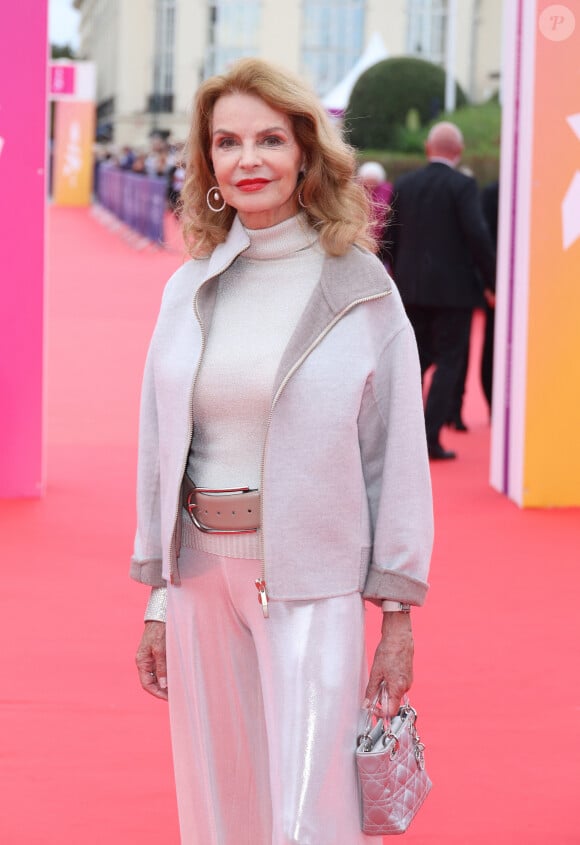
(345, 281)
(446, 161)
(224, 254)
(236, 242)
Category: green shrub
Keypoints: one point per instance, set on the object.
(384, 95)
(409, 140)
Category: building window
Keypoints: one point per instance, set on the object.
(233, 33)
(164, 57)
(332, 40)
(426, 29)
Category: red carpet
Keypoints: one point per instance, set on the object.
(85, 755)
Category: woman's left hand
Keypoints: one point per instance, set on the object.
(393, 661)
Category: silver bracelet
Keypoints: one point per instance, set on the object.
(395, 606)
(156, 610)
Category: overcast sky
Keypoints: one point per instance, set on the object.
(63, 22)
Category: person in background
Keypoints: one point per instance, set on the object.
(490, 206)
(139, 164)
(126, 158)
(455, 412)
(176, 179)
(443, 264)
(161, 165)
(372, 176)
(282, 480)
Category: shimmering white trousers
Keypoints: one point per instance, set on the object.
(264, 712)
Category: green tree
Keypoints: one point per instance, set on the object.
(62, 51)
(385, 94)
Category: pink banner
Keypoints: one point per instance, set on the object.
(536, 413)
(62, 79)
(23, 90)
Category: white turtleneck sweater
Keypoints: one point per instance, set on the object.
(260, 299)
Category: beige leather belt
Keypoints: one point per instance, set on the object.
(234, 510)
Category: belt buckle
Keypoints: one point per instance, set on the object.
(191, 506)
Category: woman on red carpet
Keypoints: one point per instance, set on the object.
(283, 474)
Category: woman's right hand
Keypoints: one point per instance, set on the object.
(151, 661)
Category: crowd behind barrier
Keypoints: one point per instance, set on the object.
(138, 201)
(137, 187)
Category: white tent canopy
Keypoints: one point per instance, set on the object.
(337, 99)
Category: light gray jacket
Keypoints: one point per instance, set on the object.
(346, 494)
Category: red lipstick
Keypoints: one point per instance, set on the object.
(249, 185)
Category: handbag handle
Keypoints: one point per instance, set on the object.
(374, 709)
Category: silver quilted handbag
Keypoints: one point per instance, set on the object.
(391, 769)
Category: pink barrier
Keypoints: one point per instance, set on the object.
(22, 223)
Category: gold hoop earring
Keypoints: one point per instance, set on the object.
(215, 196)
(301, 201)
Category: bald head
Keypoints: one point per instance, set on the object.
(444, 141)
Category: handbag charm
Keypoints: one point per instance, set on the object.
(390, 760)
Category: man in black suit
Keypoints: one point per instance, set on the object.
(439, 242)
(490, 207)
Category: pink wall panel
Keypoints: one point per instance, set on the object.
(23, 83)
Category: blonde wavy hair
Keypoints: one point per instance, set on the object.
(335, 203)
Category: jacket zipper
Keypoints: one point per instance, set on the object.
(172, 546)
(260, 582)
